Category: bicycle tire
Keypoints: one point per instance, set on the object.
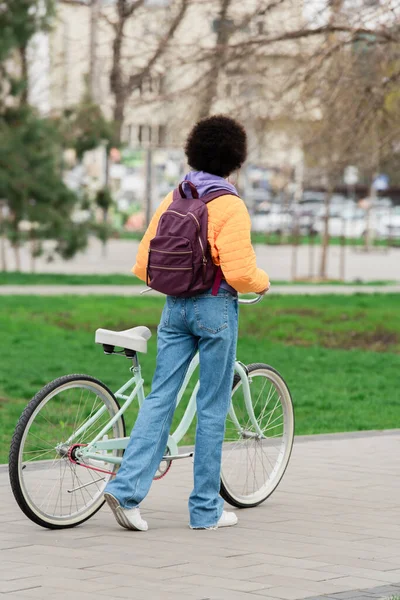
(227, 491)
(18, 441)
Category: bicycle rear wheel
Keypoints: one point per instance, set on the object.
(257, 449)
(49, 486)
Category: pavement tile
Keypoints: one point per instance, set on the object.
(387, 589)
(277, 561)
(17, 596)
(19, 584)
(308, 574)
(348, 595)
(114, 571)
(222, 582)
(207, 592)
(288, 593)
(384, 576)
(144, 595)
(62, 583)
(45, 592)
(352, 561)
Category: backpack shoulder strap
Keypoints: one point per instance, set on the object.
(179, 193)
(193, 189)
(213, 195)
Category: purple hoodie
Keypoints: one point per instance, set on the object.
(205, 184)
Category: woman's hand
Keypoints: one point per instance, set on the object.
(266, 290)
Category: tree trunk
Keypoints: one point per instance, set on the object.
(299, 181)
(93, 68)
(342, 267)
(116, 77)
(33, 250)
(25, 76)
(17, 257)
(311, 252)
(368, 241)
(3, 253)
(118, 115)
(325, 237)
(295, 248)
(105, 239)
(3, 257)
(217, 60)
(33, 262)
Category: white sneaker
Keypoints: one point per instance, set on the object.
(128, 518)
(227, 519)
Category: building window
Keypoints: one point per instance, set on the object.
(151, 85)
(156, 3)
(227, 24)
(145, 135)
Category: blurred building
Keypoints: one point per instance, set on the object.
(160, 110)
(250, 77)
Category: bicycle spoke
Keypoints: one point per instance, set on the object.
(51, 475)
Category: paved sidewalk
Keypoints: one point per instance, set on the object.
(376, 265)
(332, 528)
(135, 290)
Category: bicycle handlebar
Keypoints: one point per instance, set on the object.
(256, 300)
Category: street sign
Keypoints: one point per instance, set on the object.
(351, 175)
(381, 182)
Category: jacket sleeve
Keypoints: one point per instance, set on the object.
(140, 266)
(236, 253)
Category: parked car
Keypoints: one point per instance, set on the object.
(275, 221)
(389, 225)
(352, 223)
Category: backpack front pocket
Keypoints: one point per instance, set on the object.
(170, 265)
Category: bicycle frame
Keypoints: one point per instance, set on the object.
(136, 382)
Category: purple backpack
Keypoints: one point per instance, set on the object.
(179, 262)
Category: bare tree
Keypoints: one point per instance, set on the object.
(125, 77)
(225, 29)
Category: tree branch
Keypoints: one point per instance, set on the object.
(388, 35)
(137, 78)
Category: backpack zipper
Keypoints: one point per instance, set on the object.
(173, 211)
(201, 245)
(171, 268)
(171, 252)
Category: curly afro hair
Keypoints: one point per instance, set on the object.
(217, 145)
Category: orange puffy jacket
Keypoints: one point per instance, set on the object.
(229, 229)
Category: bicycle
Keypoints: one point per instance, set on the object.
(70, 439)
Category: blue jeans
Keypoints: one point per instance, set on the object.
(204, 323)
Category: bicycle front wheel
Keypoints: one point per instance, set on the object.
(51, 488)
(258, 442)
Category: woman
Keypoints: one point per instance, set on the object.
(215, 148)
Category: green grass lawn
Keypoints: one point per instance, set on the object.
(340, 355)
(14, 278)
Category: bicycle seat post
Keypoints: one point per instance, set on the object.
(135, 362)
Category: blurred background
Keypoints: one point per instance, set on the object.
(97, 96)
